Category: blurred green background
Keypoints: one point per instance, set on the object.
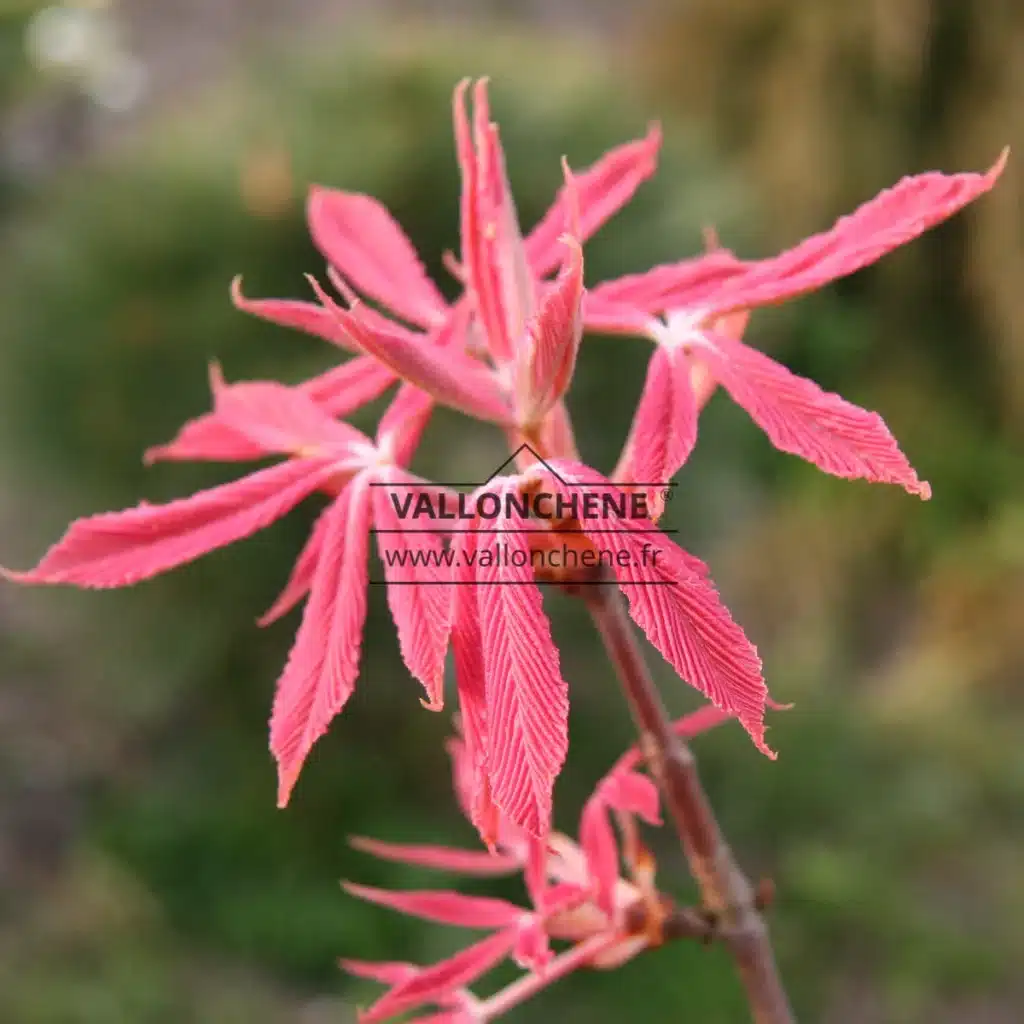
(145, 875)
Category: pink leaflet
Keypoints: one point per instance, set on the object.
(343, 389)
(443, 907)
(117, 549)
(466, 638)
(633, 793)
(339, 391)
(552, 341)
(556, 433)
(419, 596)
(205, 438)
(683, 616)
(363, 241)
(507, 250)
(301, 578)
(604, 317)
(894, 217)
(445, 1017)
(605, 187)
(620, 790)
(451, 377)
(371, 317)
(478, 270)
(664, 428)
(686, 621)
(324, 660)
(281, 420)
(387, 972)
(532, 949)
(667, 286)
(437, 983)
(300, 316)
(479, 863)
(404, 420)
(403, 423)
(602, 852)
(398, 972)
(498, 245)
(802, 419)
(535, 872)
(527, 699)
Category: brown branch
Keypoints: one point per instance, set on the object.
(726, 893)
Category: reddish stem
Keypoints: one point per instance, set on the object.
(725, 890)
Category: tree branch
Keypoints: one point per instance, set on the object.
(725, 891)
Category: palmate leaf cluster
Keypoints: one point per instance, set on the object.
(143, 241)
(116, 294)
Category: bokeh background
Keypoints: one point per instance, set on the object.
(150, 151)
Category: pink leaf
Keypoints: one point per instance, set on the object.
(556, 433)
(396, 972)
(527, 699)
(493, 256)
(362, 240)
(116, 549)
(205, 438)
(402, 425)
(604, 317)
(535, 871)
(505, 244)
(346, 388)
(282, 420)
(445, 1017)
(604, 188)
(800, 418)
(324, 661)
(404, 421)
(479, 863)
(553, 341)
(664, 428)
(451, 377)
(686, 621)
(601, 850)
(894, 217)
(301, 316)
(444, 907)
(216, 437)
(387, 972)
(621, 790)
(479, 273)
(668, 286)
(532, 949)
(633, 793)
(436, 984)
(683, 616)
(419, 593)
(301, 578)
(466, 637)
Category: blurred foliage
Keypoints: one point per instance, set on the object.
(170, 887)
